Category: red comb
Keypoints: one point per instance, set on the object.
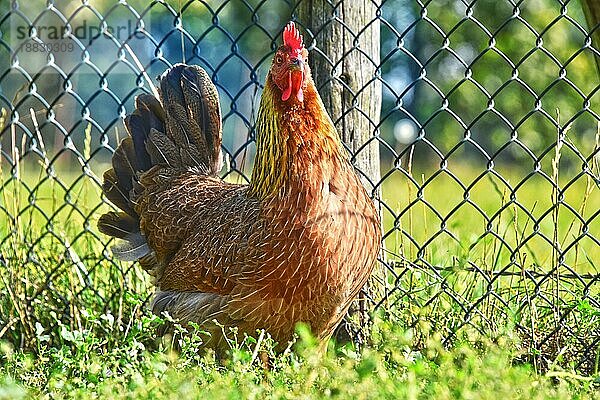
(292, 37)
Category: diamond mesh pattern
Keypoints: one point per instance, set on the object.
(487, 138)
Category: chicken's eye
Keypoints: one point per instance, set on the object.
(278, 59)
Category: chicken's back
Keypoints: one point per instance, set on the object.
(186, 209)
(175, 216)
(168, 138)
(200, 230)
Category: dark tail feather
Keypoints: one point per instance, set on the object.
(117, 194)
(193, 117)
(181, 131)
(118, 224)
(148, 115)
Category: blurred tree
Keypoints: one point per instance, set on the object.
(491, 72)
(486, 70)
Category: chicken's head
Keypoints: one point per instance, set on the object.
(290, 65)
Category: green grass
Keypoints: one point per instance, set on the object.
(73, 322)
(82, 321)
(84, 367)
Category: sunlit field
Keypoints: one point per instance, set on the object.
(86, 318)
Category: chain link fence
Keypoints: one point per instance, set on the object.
(487, 135)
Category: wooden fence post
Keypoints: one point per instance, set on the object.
(591, 9)
(343, 38)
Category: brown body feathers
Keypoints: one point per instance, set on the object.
(296, 245)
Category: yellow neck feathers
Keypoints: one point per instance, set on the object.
(292, 139)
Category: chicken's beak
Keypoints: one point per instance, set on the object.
(297, 64)
(295, 80)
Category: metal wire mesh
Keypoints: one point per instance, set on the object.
(487, 138)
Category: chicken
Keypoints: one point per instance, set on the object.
(294, 245)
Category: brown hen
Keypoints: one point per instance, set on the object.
(295, 245)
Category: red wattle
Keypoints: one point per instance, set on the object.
(299, 83)
(288, 90)
(295, 82)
